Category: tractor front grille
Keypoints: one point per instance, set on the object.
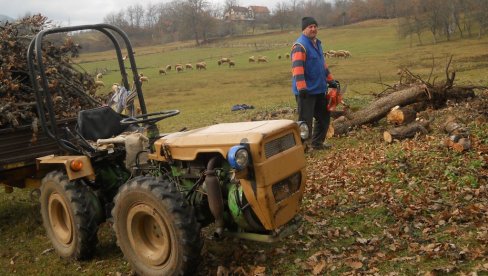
(279, 145)
(287, 187)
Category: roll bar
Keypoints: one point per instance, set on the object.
(44, 101)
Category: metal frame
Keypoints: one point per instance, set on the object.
(44, 101)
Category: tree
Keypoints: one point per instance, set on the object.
(481, 10)
(138, 15)
(194, 14)
(281, 14)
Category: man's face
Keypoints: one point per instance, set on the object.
(310, 31)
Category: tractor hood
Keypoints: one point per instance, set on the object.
(219, 138)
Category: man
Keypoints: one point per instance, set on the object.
(310, 79)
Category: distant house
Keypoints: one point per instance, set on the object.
(259, 12)
(236, 13)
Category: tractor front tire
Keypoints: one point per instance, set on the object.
(156, 229)
(68, 216)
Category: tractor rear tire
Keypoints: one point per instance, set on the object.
(156, 229)
(68, 216)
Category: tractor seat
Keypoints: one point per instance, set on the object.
(100, 123)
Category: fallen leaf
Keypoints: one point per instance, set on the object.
(318, 268)
(355, 264)
(259, 271)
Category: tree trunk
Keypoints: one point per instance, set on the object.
(401, 116)
(380, 108)
(406, 131)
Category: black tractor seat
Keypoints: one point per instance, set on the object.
(100, 123)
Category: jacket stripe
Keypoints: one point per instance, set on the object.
(298, 57)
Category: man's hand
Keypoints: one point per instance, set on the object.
(334, 84)
(302, 93)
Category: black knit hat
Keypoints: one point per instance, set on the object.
(307, 21)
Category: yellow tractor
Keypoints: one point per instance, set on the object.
(242, 179)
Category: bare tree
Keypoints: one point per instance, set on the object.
(281, 14)
(117, 19)
(131, 16)
(151, 16)
(481, 10)
(138, 15)
(194, 12)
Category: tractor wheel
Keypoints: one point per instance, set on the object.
(68, 216)
(156, 229)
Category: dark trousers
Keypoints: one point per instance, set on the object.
(314, 107)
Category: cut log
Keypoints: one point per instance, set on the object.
(461, 145)
(406, 131)
(401, 116)
(454, 128)
(379, 108)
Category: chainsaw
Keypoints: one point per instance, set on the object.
(335, 97)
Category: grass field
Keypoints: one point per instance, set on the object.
(334, 232)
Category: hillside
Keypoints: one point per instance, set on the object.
(410, 207)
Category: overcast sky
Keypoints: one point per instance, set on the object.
(78, 12)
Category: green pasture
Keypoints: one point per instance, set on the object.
(206, 96)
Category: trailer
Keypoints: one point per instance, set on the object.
(19, 149)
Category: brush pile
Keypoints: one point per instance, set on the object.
(72, 90)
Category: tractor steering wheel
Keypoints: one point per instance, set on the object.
(150, 118)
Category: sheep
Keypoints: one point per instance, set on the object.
(168, 68)
(99, 76)
(262, 59)
(143, 78)
(329, 53)
(340, 53)
(99, 83)
(223, 60)
(232, 63)
(162, 71)
(252, 59)
(201, 65)
(189, 66)
(179, 68)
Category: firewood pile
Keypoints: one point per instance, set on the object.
(71, 89)
(400, 103)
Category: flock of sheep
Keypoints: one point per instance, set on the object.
(203, 66)
(223, 60)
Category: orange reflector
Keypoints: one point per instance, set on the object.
(76, 165)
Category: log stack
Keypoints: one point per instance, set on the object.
(70, 88)
(458, 135)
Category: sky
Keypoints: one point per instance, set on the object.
(80, 12)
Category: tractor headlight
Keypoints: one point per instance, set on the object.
(238, 157)
(304, 131)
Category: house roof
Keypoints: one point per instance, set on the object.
(259, 9)
(239, 9)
